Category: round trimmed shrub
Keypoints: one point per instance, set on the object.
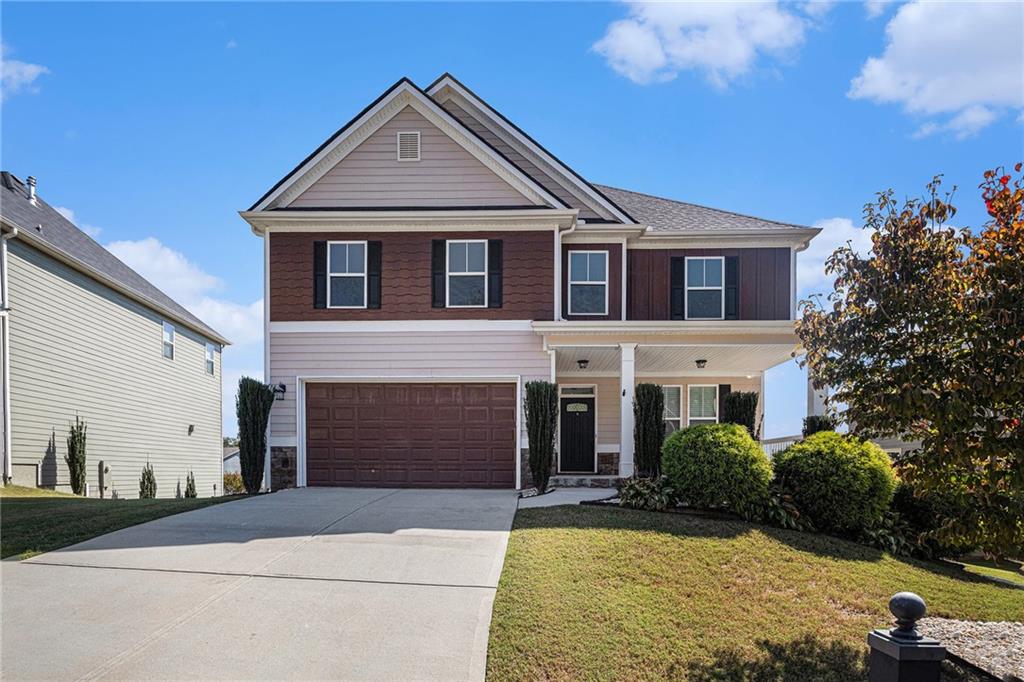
(842, 484)
(717, 465)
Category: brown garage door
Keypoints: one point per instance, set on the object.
(411, 435)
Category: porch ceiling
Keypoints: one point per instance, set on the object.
(674, 360)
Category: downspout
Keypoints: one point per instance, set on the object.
(558, 268)
(5, 342)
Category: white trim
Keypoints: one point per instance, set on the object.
(797, 238)
(300, 404)
(656, 327)
(687, 288)
(688, 387)
(529, 219)
(283, 441)
(165, 327)
(680, 417)
(589, 282)
(398, 326)
(398, 145)
(266, 351)
(623, 301)
(558, 429)
(605, 448)
(352, 275)
(627, 389)
(448, 274)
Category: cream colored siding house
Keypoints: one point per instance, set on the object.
(85, 335)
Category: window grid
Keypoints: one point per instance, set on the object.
(332, 275)
(720, 287)
(707, 410)
(210, 356)
(673, 422)
(574, 280)
(168, 340)
(465, 273)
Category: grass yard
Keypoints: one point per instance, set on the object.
(34, 520)
(1005, 570)
(609, 594)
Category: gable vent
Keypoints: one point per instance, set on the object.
(409, 146)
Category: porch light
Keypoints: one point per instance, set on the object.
(279, 391)
(701, 364)
(582, 364)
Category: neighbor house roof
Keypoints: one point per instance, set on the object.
(40, 223)
(669, 215)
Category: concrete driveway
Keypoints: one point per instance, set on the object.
(310, 583)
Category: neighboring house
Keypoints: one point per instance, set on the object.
(83, 334)
(430, 258)
(232, 463)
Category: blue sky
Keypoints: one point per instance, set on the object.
(153, 124)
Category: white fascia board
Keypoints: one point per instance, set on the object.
(589, 233)
(567, 174)
(796, 238)
(573, 327)
(398, 326)
(470, 220)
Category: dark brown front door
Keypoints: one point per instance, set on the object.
(576, 440)
(411, 435)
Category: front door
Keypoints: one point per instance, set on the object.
(576, 451)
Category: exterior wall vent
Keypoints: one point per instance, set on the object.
(409, 146)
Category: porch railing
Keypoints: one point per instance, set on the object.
(773, 446)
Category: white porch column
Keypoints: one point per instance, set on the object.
(627, 379)
(815, 398)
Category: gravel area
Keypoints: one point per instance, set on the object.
(995, 647)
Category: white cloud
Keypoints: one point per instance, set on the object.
(818, 8)
(231, 44)
(169, 270)
(810, 264)
(16, 76)
(876, 8)
(90, 230)
(961, 61)
(722, 40)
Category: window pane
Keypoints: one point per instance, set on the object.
(466, 290)
(703, 403)
(586, 299)
(578, 267)
(355, 258)
(704, 304)
(671, 426)
(168, 332)
(597, 267)
(338, 258)
(701, 421)
(695, 273)
(456, 257)
(475, 257)
(713, 273)
(346, 291)
(168, 350)
(209, 366)
(671, 402)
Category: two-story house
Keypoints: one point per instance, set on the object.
(431, 257)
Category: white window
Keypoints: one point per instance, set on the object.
(168, 340)
(409, 146)
(467, 273)
(705, 291)
(673, 413)
(346, 274)
(702, 404)
(588, 282)
(210, 355)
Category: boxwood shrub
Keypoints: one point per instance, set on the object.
(842, 484)
(717, 465)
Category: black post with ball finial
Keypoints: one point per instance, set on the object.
(902, 654)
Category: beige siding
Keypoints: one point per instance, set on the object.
(409, 354)
(445, 175)
(77, 347)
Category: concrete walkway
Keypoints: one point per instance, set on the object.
(313, 583)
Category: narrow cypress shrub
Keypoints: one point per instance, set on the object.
(541, 407)
(190, 485)
(147, 484)
(648, 429)
(76, 455)
(740, 407)
(817, 423)
(252, 404)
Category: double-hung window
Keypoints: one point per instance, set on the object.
(346, 274)
(673, 413)
(702, 404)
(210, 355)
(705, 290)
(467, 273)
(168, 340)
(588, 282)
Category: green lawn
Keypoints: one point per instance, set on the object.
(1004, 570)
(609, 594)
(33, 520)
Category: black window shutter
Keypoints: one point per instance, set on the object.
(494, 275)
(319, 274)
(677, 298)
(723, 390)
(437, 283)
(732, 288)
(373, 274)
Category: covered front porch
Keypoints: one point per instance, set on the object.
(598, 365)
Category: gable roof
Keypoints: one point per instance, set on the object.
(41, 223)
(668, 215)
(331, 151)
(525, 140)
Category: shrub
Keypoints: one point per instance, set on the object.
(740, 407)
(923, 514)
(190, 485)
(780, 510)
(648, 429)
(252, 405)
(233, 484)
(76, 455)
(718, 465)
(147, 484)
(817, 423)
(650, 494)
(541, 407)
(842, 484)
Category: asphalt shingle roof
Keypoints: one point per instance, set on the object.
(669, 215)
(61, 234)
